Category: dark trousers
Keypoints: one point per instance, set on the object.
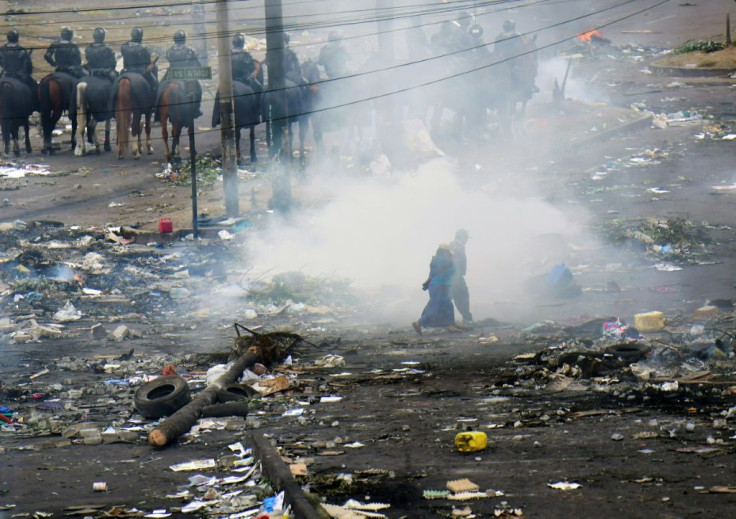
(461, 298)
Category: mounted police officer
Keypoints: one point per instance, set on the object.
(137, 57)
(100, 56)
(181, 56)
(64, 55)
(333, 56)
(16, 62)
(292, 67)
(244, 67)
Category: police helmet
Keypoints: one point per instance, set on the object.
(67, 34)
(509, 25)
(13, 36)
(238, 41)
(180, 37)
(334, 36)
(136, 34)
(99, 35)
(476, 31)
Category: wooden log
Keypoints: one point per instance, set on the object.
(181, 421)
(226, 409)
(280, 475)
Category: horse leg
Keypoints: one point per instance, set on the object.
(92, 131)
(303, 123)
(175, 137)
(136, 130)
(14, 133)
(28, 137)
(81, 148)
(149, 146)
(6, 136)
(253, 157)
(107, 135)
(237, 143)
(165, 135)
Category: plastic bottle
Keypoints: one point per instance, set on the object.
(471, 441)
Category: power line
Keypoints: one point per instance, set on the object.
(472, 70)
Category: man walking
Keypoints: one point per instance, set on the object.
(458, 288)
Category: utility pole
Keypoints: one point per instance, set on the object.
(200, 31)
(386, 50)
(277, 106)
(227, 134)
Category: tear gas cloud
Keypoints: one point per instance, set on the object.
(382, 235)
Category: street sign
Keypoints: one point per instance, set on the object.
(190, 73)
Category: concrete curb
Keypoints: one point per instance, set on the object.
(690, 72)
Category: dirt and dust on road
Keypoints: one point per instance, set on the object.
(616, 402)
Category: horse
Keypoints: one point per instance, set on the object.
(294, 101)
(247, 112)
(54, 96)
(132, 100)
(174, 105)
(513, 87)
(15, 108)
(329, 105)
(89, 105)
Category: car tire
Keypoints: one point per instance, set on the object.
(236, 392)
(162, 396)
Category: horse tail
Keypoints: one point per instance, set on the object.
(78, 103)
(78, 109)
(44, 94)
(122, 107)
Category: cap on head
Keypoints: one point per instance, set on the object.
(462, 234)
(66, 34)
(238, 41)
(476, 31)
(136, 34)
(509, 25)
(334, 36)
(180, 37)
(99, 35)
(13, 36)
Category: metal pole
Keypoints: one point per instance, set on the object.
(227, 134)
(281, 184)
(193, 160)
(200, 30)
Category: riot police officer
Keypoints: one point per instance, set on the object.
(333, 56)
(100, 56)
(181, 56)
(244, 67)
(137, 57)
(292, 67)
(64, 55)
(16, 62)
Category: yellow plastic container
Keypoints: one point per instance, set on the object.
(471, 441)
(649, 321)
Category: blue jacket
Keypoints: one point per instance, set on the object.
(441, 268)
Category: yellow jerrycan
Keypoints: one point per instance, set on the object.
(471, 441)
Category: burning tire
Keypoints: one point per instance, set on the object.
(162, 396)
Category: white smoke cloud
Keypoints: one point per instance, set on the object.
(382, 234)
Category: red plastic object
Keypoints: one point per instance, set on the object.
(165, 225)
